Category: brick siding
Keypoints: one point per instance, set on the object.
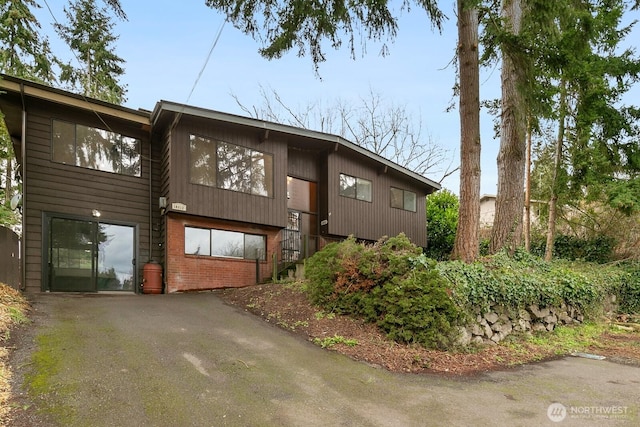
(192, 272)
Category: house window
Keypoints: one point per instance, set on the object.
(355, 188)
(230, 167)
(222, 243)
(94, 148)
(403, 199)
(203, 161)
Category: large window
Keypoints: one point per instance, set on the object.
(355, 188)
(94, 148)
(230, 167)
(403, 199)
(222, 243)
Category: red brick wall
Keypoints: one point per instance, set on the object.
(191, 272)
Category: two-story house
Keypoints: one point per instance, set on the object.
(217, 199)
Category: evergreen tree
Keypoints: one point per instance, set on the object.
(569, 70)
(466, 246)
(23, 52)
(26, 54)
(595, 155)
(89, 35)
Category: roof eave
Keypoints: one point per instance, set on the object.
(58, 96)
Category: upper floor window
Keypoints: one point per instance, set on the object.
(355, 188)
(230, 167)
(403, 199)
(222, 243)
(94, 148)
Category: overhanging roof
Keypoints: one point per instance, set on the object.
(35, 90)
(163, 109)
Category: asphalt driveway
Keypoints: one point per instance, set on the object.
(191, 360)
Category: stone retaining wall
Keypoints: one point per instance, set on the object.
(496, 324)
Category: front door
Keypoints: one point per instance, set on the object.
(300, 237)
(89, 256)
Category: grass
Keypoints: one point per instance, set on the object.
(336, 339)
(564, 340)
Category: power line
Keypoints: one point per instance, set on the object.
(213, 46)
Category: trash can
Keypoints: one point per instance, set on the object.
(152, 278)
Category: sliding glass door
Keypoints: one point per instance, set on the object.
(88, 256)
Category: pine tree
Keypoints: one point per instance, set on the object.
(89, 35)
(595, 155)
(26, 54)
(23, 52)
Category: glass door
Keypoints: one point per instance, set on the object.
(71, 255)
(116, 260)
(89, 256)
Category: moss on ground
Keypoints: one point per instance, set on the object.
(46, 362)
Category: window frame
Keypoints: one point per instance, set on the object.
(358, 182)
(403, 199)
(117, 142)
(212, 252)
(253, 182)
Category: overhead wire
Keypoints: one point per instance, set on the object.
(206, 62)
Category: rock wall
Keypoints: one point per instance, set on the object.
(497, 323)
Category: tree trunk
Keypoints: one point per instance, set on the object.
(557, 164)
(507, 226)
(527, 195)
(466, 245)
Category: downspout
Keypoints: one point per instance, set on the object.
(150, 202)
(23, 160)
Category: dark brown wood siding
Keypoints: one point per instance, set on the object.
(212, 202)
(371, 220)
(303, 164)
(53, 187)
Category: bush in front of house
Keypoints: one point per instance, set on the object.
(413, 299)
(389, 283)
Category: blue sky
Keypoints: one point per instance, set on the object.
(165, 44)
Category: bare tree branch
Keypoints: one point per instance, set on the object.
(388, 130)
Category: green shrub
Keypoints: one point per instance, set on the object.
(442, 223)
(390, 283)
(413, 299)
(417, 308)
(629, 290)
(519, 281)
(597, 249)
(321, 270)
